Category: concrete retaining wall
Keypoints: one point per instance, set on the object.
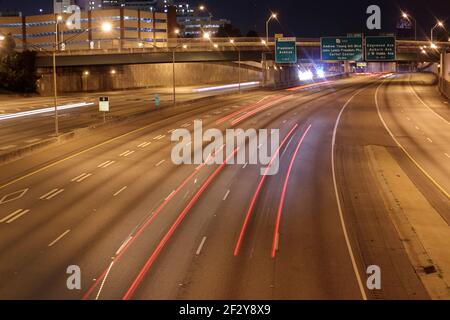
(444, 76)
(105, 78)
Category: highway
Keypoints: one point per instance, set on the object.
(81, 111)
(141, 227)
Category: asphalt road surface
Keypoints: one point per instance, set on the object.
(140, 227)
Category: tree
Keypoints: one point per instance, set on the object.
(228, 30)
(252, 34)
(18, 71)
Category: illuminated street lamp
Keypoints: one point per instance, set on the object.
(438, 24)
(272, 16)
(106, 27)
(2, 37)
(206, 35)
(203, 8)
(409, 18)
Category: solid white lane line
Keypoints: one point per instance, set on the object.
(10, 215)
(169, 195)
(123, 245)
(403, 148)
(159, 163)
(226, 195)
(80, 176)
(104, 280)
(426, 105)
(51, 244)
(8, 147)
(17, 216)
(84, 178)
(48, 193)
(338, 198)
(118, 192)
(54, 194)
(200, 247)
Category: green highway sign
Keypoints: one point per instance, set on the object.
(286, 50)
(380, 48)
(341, 49)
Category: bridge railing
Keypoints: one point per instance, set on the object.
(216, 44)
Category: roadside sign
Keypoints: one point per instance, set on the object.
(380, 48)
(103, 104)
(157, 100)
(286, 50)
(341, 49)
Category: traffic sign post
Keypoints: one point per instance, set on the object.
(381, 48)
(341, 49)
(286, 50)
(103, 106)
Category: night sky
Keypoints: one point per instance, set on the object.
(312, 18)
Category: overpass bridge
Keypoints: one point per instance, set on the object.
(213, 50)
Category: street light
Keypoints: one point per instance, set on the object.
(409, 17)
(438, 24)
(272, 16)
(239, 64)
(206, 35)
(173, 71)
(2, 37)
(106, 27)
(203, 8)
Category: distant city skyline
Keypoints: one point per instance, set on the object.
(303, 19)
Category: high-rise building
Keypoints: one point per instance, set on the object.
(60, 6)
(147, 5)
(194, 22)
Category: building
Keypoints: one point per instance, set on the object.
(148, 5)
(60, 6)
(130, 29)
(193, 23)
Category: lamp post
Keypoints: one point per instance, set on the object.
(173, 71)
(203, 8)
(438, 24)
(272, 16)
(106, 27)
(239, 64)
(58, 18)
(409, 17)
